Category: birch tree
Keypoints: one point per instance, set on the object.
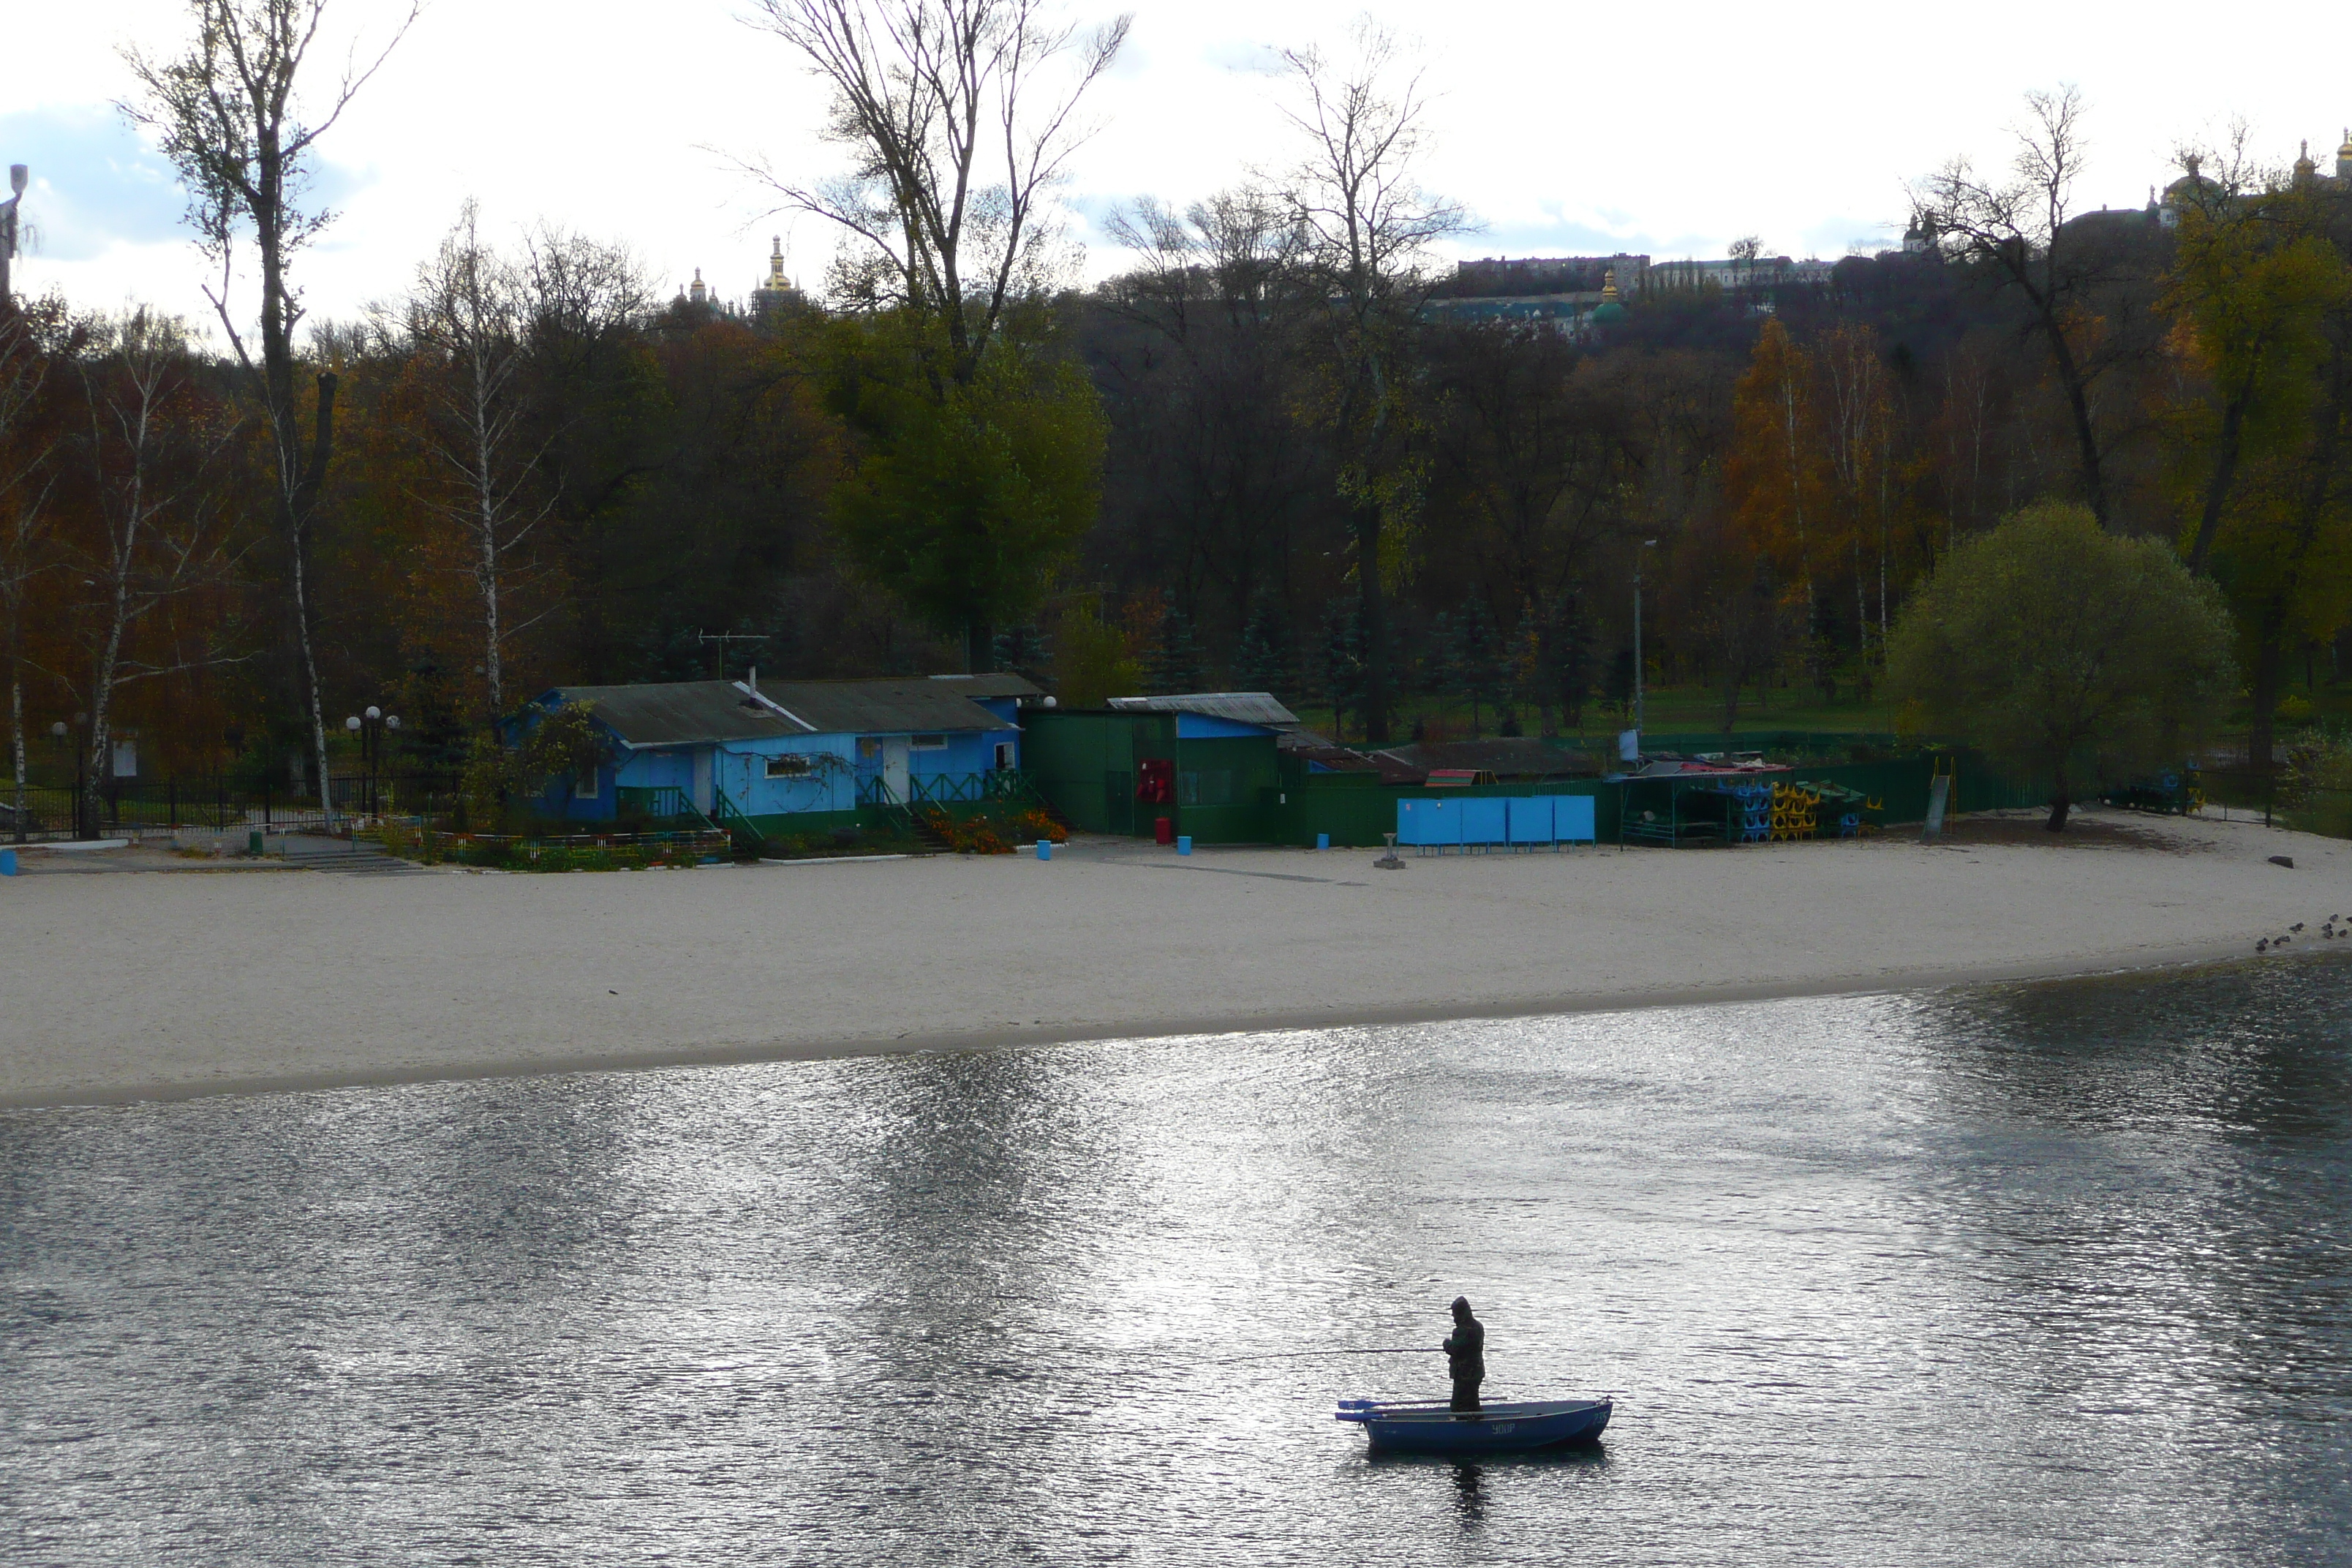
(468, 323)
(151, 527)
(227, 117)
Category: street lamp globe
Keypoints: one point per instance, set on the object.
(57, 729)
(391, 721)
(353, 723)
(373, 711)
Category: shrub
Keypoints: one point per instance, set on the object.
(2065, 650)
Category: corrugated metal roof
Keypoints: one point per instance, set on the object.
(915, 705)
(681, 713)
(689, 712)
(1242, 707)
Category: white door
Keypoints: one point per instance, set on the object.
(893, 767)
(702, 797)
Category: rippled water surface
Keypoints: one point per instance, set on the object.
(2043, 1275)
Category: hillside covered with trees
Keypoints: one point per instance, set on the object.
(1258, 457)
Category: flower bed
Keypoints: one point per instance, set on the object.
(568, 852)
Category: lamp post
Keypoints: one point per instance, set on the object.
(1645, 544)
(58, 733)
(372, 728)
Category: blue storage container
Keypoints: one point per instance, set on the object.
(1484, 821)
(1530, 820)
(1571, 821)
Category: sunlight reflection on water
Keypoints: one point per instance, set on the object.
(2023, 1275)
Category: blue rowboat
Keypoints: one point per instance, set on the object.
(1432, 1428)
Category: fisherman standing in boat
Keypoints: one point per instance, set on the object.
(1465, 1355)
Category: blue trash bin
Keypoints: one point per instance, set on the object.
(1322, 841)
(1183, 844)
(7, 862)
(1045, 849)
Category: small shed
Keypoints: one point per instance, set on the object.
(790, 756)
(1206, 761)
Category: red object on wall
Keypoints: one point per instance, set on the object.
(1155, 781)
(1163, 830)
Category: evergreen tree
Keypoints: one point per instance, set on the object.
(1567, 655)
(1261, 662)
(1480, 666)
(1175, 664)
(1343, 661)
(1023, 649)
(1441, 667)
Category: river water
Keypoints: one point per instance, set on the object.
(2051, 1274)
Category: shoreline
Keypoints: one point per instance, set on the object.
(2084, 967)
(135, 985)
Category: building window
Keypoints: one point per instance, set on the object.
(791, 765)
(585, 786)
(1005, 756)
(1209, 786)
(929, 743)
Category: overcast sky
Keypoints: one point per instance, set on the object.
(1669, 130)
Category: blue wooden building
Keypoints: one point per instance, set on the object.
(796, 756)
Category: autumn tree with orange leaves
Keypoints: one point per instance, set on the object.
(1779, 477)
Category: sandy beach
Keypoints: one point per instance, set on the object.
(172, 983)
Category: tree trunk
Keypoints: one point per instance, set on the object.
(2217, 486)
(2268, 653)
(1374, 628)
(485, 490)
(16, 736)
(2078, 402)
(298, 501)
(2061, 799)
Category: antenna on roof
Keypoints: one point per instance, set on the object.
(718, 654)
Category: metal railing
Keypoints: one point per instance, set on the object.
(210, 805)
(662, 801)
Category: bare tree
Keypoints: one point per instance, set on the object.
(227, 115)
(957, 143)
(156, 528)
(1366, 227)
(2018, 231)
(468, 322)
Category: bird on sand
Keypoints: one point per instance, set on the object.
(2297, 926)
(2263, 945)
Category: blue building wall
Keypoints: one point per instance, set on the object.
(738, 769)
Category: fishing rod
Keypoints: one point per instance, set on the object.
(1301, 1355)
